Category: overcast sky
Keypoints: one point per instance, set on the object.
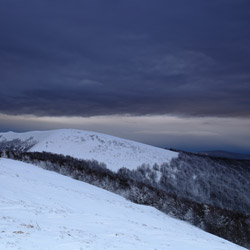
(132, 66)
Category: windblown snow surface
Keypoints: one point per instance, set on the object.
(41, 209)
(113, 151)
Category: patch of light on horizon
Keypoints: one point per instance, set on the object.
(159, 130)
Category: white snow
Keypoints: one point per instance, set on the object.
(41, 209)
(113, 151)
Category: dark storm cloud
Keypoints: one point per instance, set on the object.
(125, 57)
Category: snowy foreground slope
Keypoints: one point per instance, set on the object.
(40, 209)
(113, 151)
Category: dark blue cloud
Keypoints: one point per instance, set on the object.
(125, 57)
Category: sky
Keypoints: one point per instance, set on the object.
(171, 73)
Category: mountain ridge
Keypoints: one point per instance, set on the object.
(225, 154)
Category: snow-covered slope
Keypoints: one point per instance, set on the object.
(114, 152)
(40, 209)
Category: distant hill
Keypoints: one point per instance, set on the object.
(226, 154)
(113, 151)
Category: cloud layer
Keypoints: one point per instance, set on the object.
(91, 58)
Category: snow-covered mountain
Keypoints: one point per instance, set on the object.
(41, 209)
(113, 151)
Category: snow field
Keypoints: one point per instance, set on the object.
(41, 209)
